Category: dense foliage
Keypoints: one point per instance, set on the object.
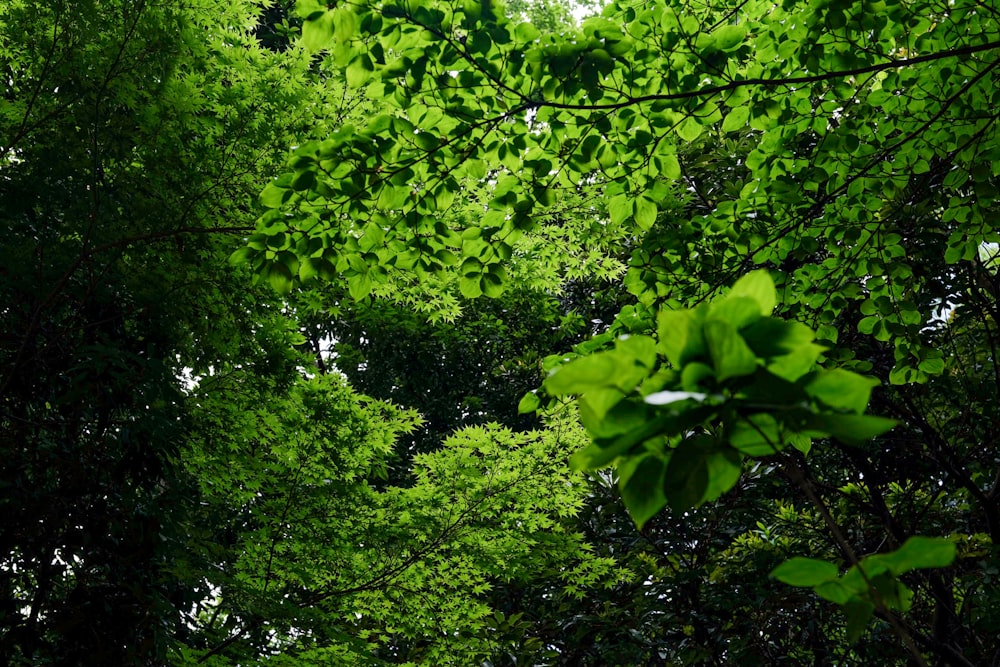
(185, 478)
(735, 263)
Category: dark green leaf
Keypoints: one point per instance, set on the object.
(686, 480)
(851, 429)
(859, 614)
(641, 482)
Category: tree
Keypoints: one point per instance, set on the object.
(162, 426)
(115, 186)
(840, 170)
(191, 472)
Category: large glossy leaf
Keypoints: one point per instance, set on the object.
(757, 285)
(686, 480)
(859, 614)
(641, 482)
(731, 357)
(759, 434)
(809, 572)
(920, 552)
(851, 429)
(680, 336)
(772, 337)
(580, 375)
(603, 369)
(840, 389)
(739, 311)
(603, 452)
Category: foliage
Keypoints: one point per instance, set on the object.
(722, 137)
(181, 481)
(318, 565)
(113, 110)
(738, 383)
(201, 469)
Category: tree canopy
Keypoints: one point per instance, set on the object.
(667, 336)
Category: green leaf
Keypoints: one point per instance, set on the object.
(686, 480)
(317, 31)
(357, 73)
(470, 286)
(756, 435)
(307, 270)
(344, 23)
(527, 33)
(770, 389)
(280, 278)
(851, 429)
(724, 469)
(529, 403)
(759, 286)
(919, 553)
(359, 285)
(492, 285)
(836, 592)
(771, 337)
(597, 402)
(859, 615)
(808, 572)
(614, 420)
(580, 375)
(601, 453)
(894, 594)
(690, 129)
(645, 213)
(680, 336)
(641, 480)
(619, 209)
(794, 365)
(840, 389)
(621, 368)
(642, 349)
(731, 357)
(304, 180)
(670, 167)
(932, 366)
(736, 119)
(273, 195)
(241, 256)
(694, 375)
(728, 37)
(739, 311)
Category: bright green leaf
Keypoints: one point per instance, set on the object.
(680, 336)
(759, 286)
(689, 129)
(728, 37)
(731, 357)
(736, 119)
(808, 572)
(529, 403)
(919, 553)
(840, 389)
